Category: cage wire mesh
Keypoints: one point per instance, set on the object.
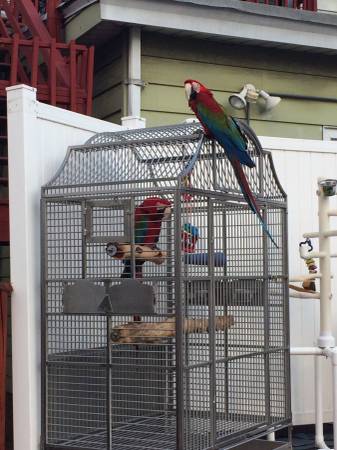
(200, 357)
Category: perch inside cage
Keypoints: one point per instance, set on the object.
(164, 304)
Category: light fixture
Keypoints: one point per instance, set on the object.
(249, 94)
(238, 101)
(270, 101)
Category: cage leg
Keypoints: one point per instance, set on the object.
(271, 436)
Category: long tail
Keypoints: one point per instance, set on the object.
(247, 193)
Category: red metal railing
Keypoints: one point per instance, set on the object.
(30, 53)
(307, 5)
(38, 64)
(5, 290)
(28, 13)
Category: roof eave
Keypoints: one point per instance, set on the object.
(227, 19)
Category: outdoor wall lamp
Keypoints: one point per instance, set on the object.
(249, 94)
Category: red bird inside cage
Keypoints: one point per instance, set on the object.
(149, 216)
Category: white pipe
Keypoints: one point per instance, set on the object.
(304, 254)
(325, 338)
(310, 276)
(332, 212)
(330, 233)
(307, 295)
(333, 355)
(319, 436)
(313, 234)
(307, 351)
(134, 72)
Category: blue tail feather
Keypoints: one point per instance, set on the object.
(249, 197)
(266, 230)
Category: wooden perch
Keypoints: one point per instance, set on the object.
(300, 292)
(154, 332)
(301, 289)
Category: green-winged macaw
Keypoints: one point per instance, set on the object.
(148, 221)
(224, 129)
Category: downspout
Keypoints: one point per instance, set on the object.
(134, 81)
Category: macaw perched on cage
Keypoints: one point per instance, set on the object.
(148, 221)
(226, 131)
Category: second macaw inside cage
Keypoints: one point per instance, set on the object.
(165, 316)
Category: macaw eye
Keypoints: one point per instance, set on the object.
(196, 86)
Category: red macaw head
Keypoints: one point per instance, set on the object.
(156, 207)
(194, 87)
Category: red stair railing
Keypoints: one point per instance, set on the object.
(31, 53)
(33, 62)
(5, 290)
(307, 5)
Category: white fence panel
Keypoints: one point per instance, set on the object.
(38, 137)
(298, 164)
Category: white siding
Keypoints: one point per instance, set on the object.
(298, 164)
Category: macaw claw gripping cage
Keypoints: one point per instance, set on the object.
(186, 351)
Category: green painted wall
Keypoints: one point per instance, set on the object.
(109, 100)
(83, 22)
(167, 61)
(225, 68)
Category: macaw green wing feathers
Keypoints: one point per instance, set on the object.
(247, 131)
(225, 131)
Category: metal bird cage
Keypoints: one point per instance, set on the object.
(178, 342)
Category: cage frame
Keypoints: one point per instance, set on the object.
(212, 196)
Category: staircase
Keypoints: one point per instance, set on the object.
(31, 52)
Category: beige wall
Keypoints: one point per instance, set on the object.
(110, 73)
(167, 61)
(225, 68)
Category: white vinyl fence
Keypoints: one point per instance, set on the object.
(298, 164)
(38, 139)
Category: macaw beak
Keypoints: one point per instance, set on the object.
(188, 90)
(167, 213)
(165, 210)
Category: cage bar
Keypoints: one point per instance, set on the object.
(164, 305)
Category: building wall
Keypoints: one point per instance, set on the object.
(167, 61)
(109, 80)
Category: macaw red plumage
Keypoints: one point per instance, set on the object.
(224, 129)
(148, 220)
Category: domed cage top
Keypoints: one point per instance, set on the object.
(164, 304)
(159, 158)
